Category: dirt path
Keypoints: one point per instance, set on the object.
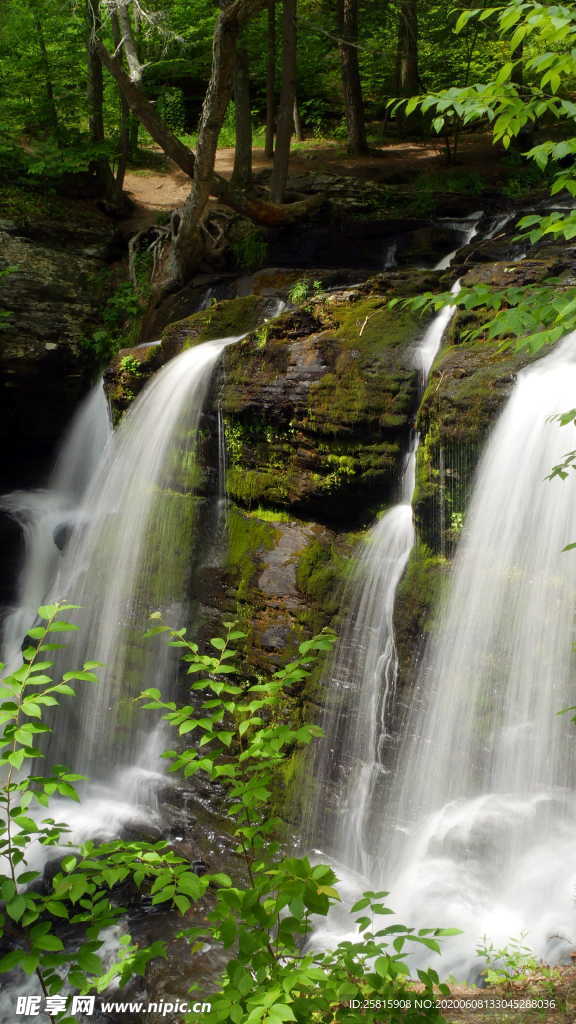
(165, 188)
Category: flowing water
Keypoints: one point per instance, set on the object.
(131, 556)
(481, 822)
(361, 680)
(468, 227)
(130, 505)
(477, 826)
(48, 516)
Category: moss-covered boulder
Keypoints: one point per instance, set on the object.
(279, 577)
(318, 405)
(132, 367)
(469, 384)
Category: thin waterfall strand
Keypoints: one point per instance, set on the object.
(48, 516)
(361, 680)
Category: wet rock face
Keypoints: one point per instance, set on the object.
(317, 407)
(469, 384)
(48, 296)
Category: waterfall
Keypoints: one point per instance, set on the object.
(132, 556)
(469, 228)
(481, 826)
(361, 680)
(48, 516)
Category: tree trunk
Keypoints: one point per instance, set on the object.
(407, 79)
(189, 240)
(51, 109)
(351, 82)
(298, 129)
(95, 81)
(242, 173)
(129, 44)
(124, 134)
(95, 100)
(270, 80)
(257, 210)
(285, 125)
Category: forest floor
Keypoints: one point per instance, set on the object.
(161, 186)
(519, 1000)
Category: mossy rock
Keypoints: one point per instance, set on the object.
(48, 311)
(469, 385)
(318, 405)
(418, 598)
(229, 318)
(280, 578)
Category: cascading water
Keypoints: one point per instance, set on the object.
(469, 229)
(364, 670)
(131, 557)
(47, 516)
(480, 828)
(477, 826)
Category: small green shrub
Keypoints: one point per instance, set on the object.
(250, 249)
(302, 290)
(120, 314)
(508, 962)
(237, 741)
(130, 365)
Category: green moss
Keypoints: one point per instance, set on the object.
(169, 546)
(320, 574)
(268, 515)
(368, 326)
(226, 319)
(251, 486)
(417, 601)
(247, 537)
(367, 382)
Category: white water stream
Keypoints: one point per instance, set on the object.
(468, 226)
(48, 516)
(361, 678)
(477, 827)
(483, 809)
(132, 556)
(128, 502)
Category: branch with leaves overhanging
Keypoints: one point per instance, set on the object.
(521, 316)
(538, 314)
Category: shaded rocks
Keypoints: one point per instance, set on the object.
(48, 272)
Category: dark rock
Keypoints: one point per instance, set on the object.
(49, 296)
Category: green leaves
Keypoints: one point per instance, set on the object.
(239, 738)
(537, 315)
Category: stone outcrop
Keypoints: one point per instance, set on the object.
(53, 251)
(53, 259)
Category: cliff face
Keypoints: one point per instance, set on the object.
(53, 253)
(315, 407)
